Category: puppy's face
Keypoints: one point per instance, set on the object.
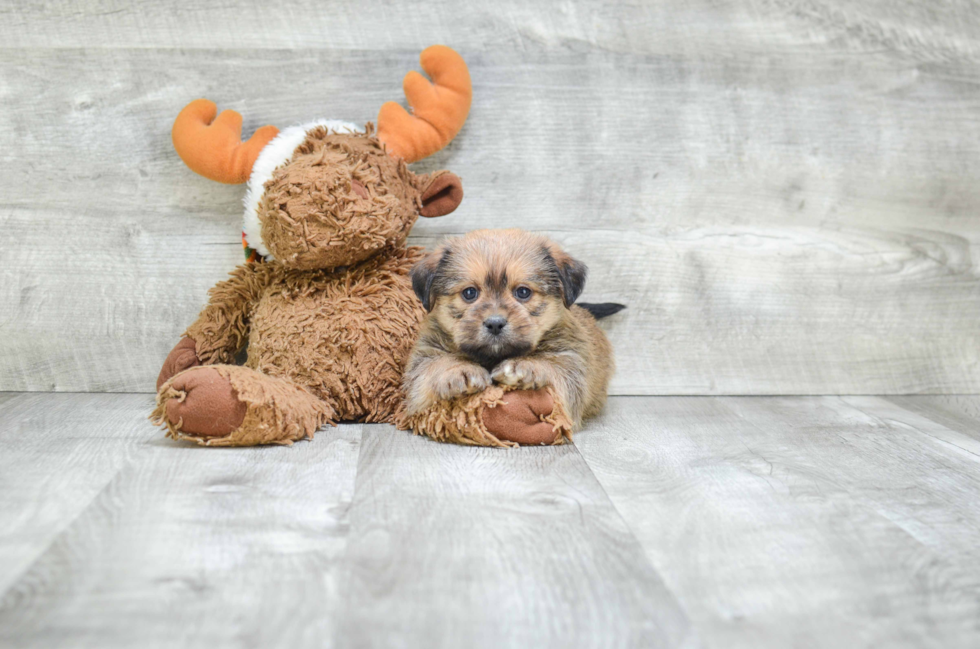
(497, 292)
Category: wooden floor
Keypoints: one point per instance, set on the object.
(673, 521)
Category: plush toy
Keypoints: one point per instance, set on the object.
(324, 301)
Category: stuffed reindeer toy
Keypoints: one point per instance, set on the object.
(324, 301)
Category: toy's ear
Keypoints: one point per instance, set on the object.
(442, 194)
(571, 273)
(424, 275)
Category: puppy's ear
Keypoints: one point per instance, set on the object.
(571, 274)
(442, 194)
(423, 275)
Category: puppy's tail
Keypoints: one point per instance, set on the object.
(602, 310)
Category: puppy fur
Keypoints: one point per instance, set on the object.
(500, 310)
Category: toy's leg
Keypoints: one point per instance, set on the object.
(527, 417)
(227, 405)
(495, 417)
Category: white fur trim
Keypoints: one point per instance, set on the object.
(274, 155)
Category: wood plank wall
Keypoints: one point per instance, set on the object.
(784, 192)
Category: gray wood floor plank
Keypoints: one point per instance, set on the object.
(460, 547)
(899, 466)
(57, 453)
(928, 421)
(812, 522)
(727, 522)
(185, 546)
(807, 233)
(957, 412)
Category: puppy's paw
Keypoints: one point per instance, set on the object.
(459, 380)
(521, 373)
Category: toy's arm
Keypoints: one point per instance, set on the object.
(495, 417)
(222, 328)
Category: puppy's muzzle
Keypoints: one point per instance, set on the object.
(495, 324)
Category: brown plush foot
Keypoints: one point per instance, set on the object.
(518, 418)
(210, 406)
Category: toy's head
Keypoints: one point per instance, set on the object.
(327, 193)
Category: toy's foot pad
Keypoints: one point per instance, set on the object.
(209, 405)
(518, 418)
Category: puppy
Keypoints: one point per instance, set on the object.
(501, 310)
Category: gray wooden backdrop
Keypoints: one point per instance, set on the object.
(784, 192)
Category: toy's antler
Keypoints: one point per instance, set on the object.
(439, 108)
(213, 147)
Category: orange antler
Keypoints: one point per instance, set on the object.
(213, 147)
(440, 108)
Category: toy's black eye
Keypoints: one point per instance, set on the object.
(522, 293)
(470, 293)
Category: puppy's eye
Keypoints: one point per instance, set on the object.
(469, 294)
(522, 293)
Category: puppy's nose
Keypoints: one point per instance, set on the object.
(495, 324)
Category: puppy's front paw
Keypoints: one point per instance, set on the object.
(520, 373)
(460, 380)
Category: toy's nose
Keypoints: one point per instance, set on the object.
(495, 324)
(358, 188)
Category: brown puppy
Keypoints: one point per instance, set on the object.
(500, 311)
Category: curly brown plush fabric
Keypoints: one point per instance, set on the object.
(343, 335)
(276, 411)
(329, 316)
(336, 185)
(465, 420)
(330, 319)
(327, 347)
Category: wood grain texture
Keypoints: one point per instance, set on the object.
(135, 540)
(673, 521)
(816, 522)
(155, 543)
(780, 191)
(943, 31)
(454, 546)
(57, 453)
(955, 412)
